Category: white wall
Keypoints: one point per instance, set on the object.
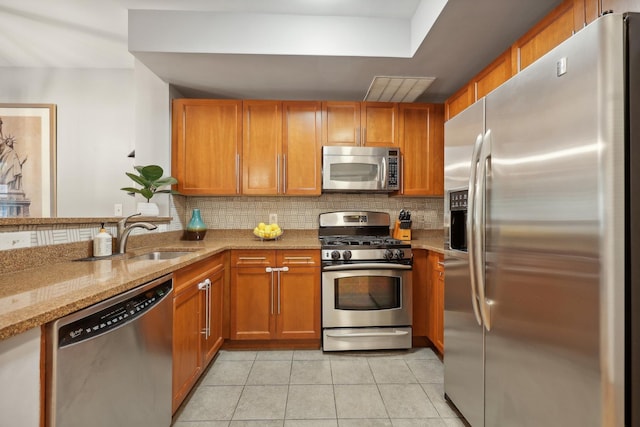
(153, 125)
(97, 127)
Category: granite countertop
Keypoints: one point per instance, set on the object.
(32, 297)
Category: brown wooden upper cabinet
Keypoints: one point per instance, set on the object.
(261, 147)
(421, 128)
(558, 25)
(552, 30)
(206, 146)
(257, 147)
(302, 147)
(372, 124)
(278, 140)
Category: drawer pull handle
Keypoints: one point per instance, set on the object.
(299, 259)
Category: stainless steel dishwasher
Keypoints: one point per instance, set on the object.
(110, 364)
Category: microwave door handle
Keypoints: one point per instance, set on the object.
(384, 178)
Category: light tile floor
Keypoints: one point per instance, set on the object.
(309, 388)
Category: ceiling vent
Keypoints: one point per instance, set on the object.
(397, 89)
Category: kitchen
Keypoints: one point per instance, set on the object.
(152, 133)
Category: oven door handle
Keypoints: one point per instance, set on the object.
(367, 266)
(365, 334)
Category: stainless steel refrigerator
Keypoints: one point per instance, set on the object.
(542, 239)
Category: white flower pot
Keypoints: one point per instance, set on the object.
(148, 209)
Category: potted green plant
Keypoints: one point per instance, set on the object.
(151, 179)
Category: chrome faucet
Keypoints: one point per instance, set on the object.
(124, 230)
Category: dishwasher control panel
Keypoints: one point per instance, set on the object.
(113, 316)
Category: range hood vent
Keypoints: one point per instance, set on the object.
(397, 89)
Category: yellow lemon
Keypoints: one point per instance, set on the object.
(261, 226)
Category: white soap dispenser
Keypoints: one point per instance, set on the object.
(102, 243)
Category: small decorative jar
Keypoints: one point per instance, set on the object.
(196, 228)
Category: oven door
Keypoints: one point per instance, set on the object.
(366, 295)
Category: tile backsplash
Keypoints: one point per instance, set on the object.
(242, 212)
(302, 212)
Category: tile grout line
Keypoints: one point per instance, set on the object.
(235, 409)
(384, 405)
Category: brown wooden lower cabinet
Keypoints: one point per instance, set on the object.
(269, 303)
(420, 282)
(197, 322)
(428, 299)
(436, 300)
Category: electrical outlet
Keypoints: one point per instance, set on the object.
(117, 209)
(15, 240)
(273, 218)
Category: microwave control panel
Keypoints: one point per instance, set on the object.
(393, 181)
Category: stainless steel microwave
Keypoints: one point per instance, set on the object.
(374, 169)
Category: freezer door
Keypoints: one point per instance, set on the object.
(555, 246)
(463, 335)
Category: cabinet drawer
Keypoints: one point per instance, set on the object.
(304, 257)
(253, 258)
(196, 272)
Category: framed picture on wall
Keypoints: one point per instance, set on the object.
(27, 160)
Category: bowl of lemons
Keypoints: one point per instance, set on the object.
(267, 231)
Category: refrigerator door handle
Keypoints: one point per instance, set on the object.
(479, 228)
(471, 242)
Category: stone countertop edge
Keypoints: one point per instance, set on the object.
(35, 296)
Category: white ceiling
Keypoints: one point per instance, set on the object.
(253, 52)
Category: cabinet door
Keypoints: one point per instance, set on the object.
(422, 146)
(187, 355)
(379, 124)
(340, 123)
(436, 300)
(552, 30)
(261, 147)
(439, 306)
(302, 148)
(298, 295)
(459, 101)
(206, 144)
(298, 303)
(420, 282)
(252, 304)
(213, 340)
(496, 73)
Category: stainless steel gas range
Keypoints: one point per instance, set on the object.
(366, 283)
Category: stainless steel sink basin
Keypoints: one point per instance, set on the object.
(159, 255)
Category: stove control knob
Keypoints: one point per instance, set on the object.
(399, 254)
(335, 255)
(346, 255)
(388, 254)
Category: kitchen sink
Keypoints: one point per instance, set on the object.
(159, 255)
(147, 256)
